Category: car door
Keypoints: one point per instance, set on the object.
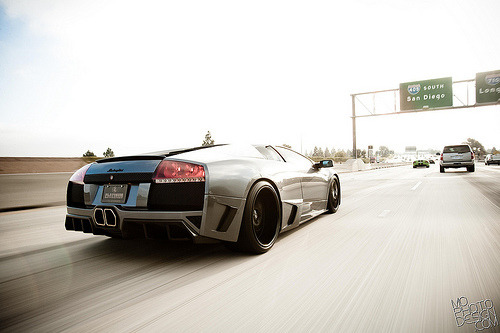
(314, 182)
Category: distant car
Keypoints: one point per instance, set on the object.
(492, 159)
(431, 161)
(244, 196)
(420, 163)
(457, 156)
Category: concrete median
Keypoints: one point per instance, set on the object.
(33, 190)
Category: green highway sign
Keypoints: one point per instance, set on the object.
(488, 87)
(428, 94)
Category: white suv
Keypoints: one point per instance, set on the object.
(457, 156)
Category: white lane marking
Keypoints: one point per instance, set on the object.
(384, 213)
(416, 186)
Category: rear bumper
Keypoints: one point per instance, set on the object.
(456, 164)
(220, 219)
(131, 224)
(493, 162)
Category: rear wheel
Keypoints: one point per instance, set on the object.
(471, 168)
(441, 169)
(334, 196)
(261, 219)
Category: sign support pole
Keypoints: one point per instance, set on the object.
(354, 151)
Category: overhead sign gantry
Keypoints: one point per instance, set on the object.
(428, 95)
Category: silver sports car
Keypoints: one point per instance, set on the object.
(242, 195)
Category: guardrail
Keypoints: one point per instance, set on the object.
(358, 165)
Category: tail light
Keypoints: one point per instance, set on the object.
(178, 172)
(472, 155)
(441, 156)
(79, 174)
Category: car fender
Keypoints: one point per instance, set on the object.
(228, 184)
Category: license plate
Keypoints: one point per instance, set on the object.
(114, 194)
(457, 157)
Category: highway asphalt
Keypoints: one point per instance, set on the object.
(403, 247)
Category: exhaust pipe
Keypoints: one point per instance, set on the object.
(105, 217)
(99, 217)
(109, 217)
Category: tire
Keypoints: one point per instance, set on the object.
(441, 169)
(261, 220)
(414, 167)
(471, 168)
(426, 166)
(334, 195)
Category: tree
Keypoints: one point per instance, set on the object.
(494, 151)
(327, 153)
(89, 154)
(109, 153)
(476, 146)
(361, 153)
(208, 140)
(384, 151)
(286, 146)
(340, 153)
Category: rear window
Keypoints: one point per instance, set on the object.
(457, 149)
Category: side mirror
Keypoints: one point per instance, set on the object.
(324, 164)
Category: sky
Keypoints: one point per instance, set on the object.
(141, 76)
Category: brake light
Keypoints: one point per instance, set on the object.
(441, 156)
(472, 155)
(178, 172)
(79, 174)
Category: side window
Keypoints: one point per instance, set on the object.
(294, 158)
(269, 153)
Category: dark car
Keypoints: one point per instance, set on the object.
(492, 159)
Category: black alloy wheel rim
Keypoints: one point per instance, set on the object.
(335, 193)
(258, 218)
(264, 217)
